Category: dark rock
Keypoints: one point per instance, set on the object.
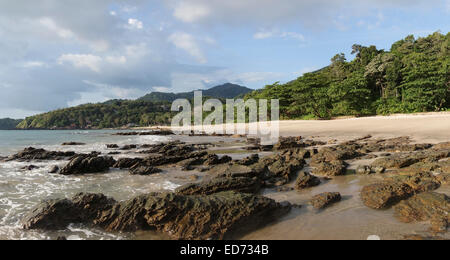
(364, 170)
(295, 142)
(85, 164)
(332, 168)
(126, 163)
(428, 206)
(254, 158)
(61, 238)
(385, 194)
(30, 167)
(216, 185)
(112, 146)
(29, 154)
(218, 216)
(114, 153)
(153, 132)
(144, 170)
(232, 170)
(72, 144)
(54, 169)
(306, 180)
(324, 200)
(58, 214)
(128, 147)
(336, 153)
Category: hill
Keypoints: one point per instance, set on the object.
(113, 114)
(414, 76)
(225, 91)
(9, 124)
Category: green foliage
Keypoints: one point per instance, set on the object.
(9, 124)
(413, 77)
(113, 114)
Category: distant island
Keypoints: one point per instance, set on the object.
(9, 124)
(414, 76)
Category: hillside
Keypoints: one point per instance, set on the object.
(153, 109)
(9, 124)
(222, 92)
(113, 114)
(414, 76)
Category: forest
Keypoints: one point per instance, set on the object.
(414, 76)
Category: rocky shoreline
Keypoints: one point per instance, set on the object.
(229, 200)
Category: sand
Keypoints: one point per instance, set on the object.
(422, 128)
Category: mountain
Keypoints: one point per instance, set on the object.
(226, 91)
(413, 76)
(9, 124)
(153, 109)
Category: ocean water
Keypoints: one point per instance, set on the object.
(21, 190)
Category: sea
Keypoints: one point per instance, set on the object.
(22, 190)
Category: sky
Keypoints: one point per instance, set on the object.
(60, 53)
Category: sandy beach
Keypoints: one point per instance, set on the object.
(422, 128)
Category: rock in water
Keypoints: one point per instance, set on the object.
(84, 164)
(144, 170)
(385, 194)
(219, 216)
(54, 169)
(73, 144)
(333, 168)
(240, 184)
(428, 206)
(126, 163)
(306, 180)
(31, 153)
(58, 214)
(324, 200)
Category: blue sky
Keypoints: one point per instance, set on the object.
(59, 53)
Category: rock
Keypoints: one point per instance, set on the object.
(30, 167)
(112, 146)
(306, 180)
(444, 178)
(336, 153)
(128, 147)
(85, 164)
(72, 144)
(29, 154)
(364, 170)
(61, 238)
(54, 169)
(324, 200)
(333, 168)
(218, 216)
(126, 163)
(144, 170)
(232, 170)
(421, 182)
(442, 146)
(162, 132)
(398, 161)
(428, 206)
(216, 185)
(385, 194)
(114, 153)
(295, 142)
(58, 214)
(254, 158)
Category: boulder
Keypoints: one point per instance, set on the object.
(223, 215)
(216, 185)
(30, 153)
(128, 147)
(73, 144)
(30, 168)
(427, 206)
(54, 169)
(332, 168)
(254, 158)
(385, 194)
(126, 163)
(112, 146)
(306, 180)
(84, 164)
(218, 216)
(324, 200)
(232, 170)
(58, 214)
(144, 170)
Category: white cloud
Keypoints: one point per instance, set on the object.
(118, 60)
(34, 64)
(51, 25)
(135, 24)
(189, 44)
(161, 89)
(265, 34)
(191, 12)
(82, 61)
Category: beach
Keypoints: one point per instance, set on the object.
(339, 156)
